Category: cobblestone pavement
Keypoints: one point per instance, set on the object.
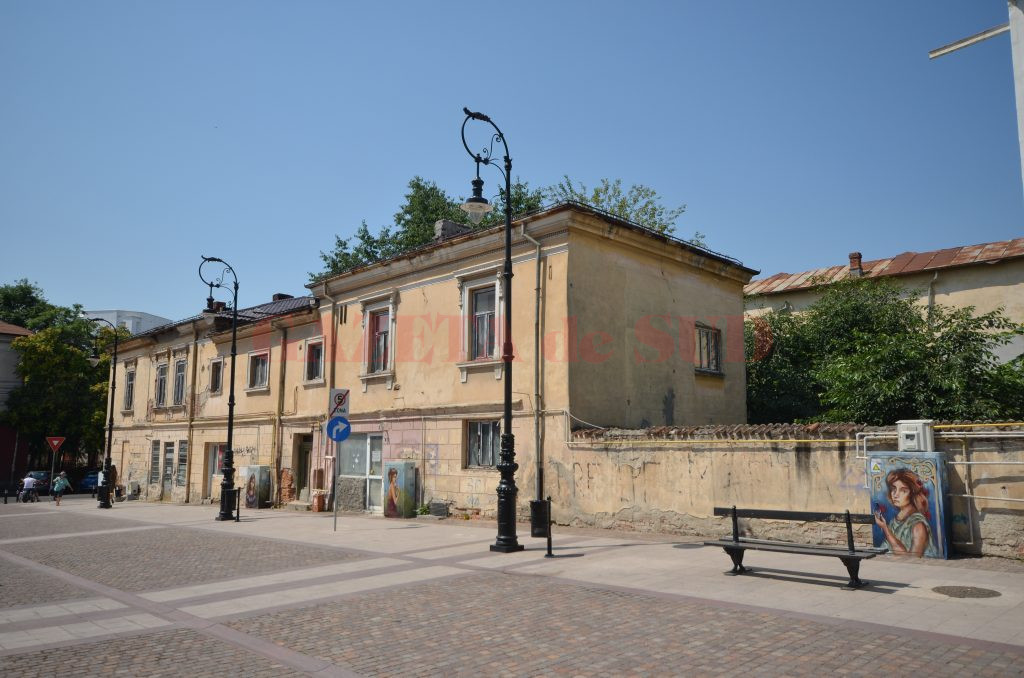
(169, 556)
(169, 593)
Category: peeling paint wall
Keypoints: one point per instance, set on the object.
(674, 488)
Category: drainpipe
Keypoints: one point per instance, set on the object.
(191, 412)
(335, 331)
(931, 293)
(538, 402)
(275, 469)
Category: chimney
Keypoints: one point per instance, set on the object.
(281, 296)
(444, 229)
(855, 268)
(219, 306)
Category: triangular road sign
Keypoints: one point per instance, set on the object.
(55, 442)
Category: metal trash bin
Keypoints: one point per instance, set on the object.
(540, 518)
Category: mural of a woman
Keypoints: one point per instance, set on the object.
(250, 492)
(909, 532)
(391, 509)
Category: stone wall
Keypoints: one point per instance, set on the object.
(670, 480)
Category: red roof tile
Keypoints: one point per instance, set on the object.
(8, 328)
(902, 264)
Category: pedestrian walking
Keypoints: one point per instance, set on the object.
(60, 486)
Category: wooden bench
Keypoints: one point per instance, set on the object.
(851, 556)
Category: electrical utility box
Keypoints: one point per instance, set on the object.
(915, 435)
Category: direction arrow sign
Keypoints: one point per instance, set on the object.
(338, 404)
(55, 442)
(338, 429)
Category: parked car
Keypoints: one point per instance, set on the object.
(88, 482)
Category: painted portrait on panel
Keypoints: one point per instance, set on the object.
(908, 504)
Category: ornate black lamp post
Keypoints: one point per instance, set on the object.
(227, 486)
(477, 206)
(104, 490)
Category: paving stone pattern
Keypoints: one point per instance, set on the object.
(146, 560)
(23, 586)
(501, 624)
(54, 522)
(170, 653)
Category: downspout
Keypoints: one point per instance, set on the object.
(931, 293)
(275, 469)
(538, 401)
(191, 411)
(335, 331)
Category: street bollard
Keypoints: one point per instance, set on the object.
(549, 554)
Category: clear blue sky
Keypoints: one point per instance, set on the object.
(135, 136)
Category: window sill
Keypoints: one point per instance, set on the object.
(387, 376)
(313, 383)
(708, 373)
(166, 409)
(480, 468)
(468, 366)
(257, 390)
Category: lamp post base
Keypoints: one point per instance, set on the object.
(103, 493)
(507, 548)
(227, 505)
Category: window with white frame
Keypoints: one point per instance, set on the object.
(483, 441)
(182, 462)
(380, 344)
(481, 330)
(154, 463)
(179, 382)
(129, 390)
(216, 375)
(709, 351)
(160, 393)
(314, 360)
(259, 369)
(378, 323)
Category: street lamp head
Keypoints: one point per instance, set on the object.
(94, 357)
(477, 206)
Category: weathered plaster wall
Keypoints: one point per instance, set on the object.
(674, 488)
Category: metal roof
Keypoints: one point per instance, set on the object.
(901, 264)
(8, 328)
(245, 315)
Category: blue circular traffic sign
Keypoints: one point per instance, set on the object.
(338, 429)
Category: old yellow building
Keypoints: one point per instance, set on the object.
(613, 325)
(988, 276)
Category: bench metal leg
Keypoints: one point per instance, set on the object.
(737, 560)
(853, 567)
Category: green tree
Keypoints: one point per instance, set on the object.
(425, 203)
(61, 393)
(22, 303)
(640, 204)
(866, 353)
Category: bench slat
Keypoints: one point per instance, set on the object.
(801, 550)
(804, 516)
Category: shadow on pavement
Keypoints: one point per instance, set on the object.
(817, 579)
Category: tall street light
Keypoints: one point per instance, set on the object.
(476, 207)
(227, 485)
(104, 491)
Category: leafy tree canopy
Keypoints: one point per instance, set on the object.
(426, 203)
(866, 353)
(22, 303)
(61, 393)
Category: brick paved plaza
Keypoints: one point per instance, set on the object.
(158, 590)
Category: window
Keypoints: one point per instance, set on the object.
(182, 461)
(216, 375)
(154, 463)
(482, 443)
(129, 389)
(482, 327)
(709, 349)
(379, 330)
(160, 397)
(259, 369)
(179, 382)
(315, 360)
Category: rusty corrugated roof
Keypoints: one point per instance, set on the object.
(8, 328)
(901, 264)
